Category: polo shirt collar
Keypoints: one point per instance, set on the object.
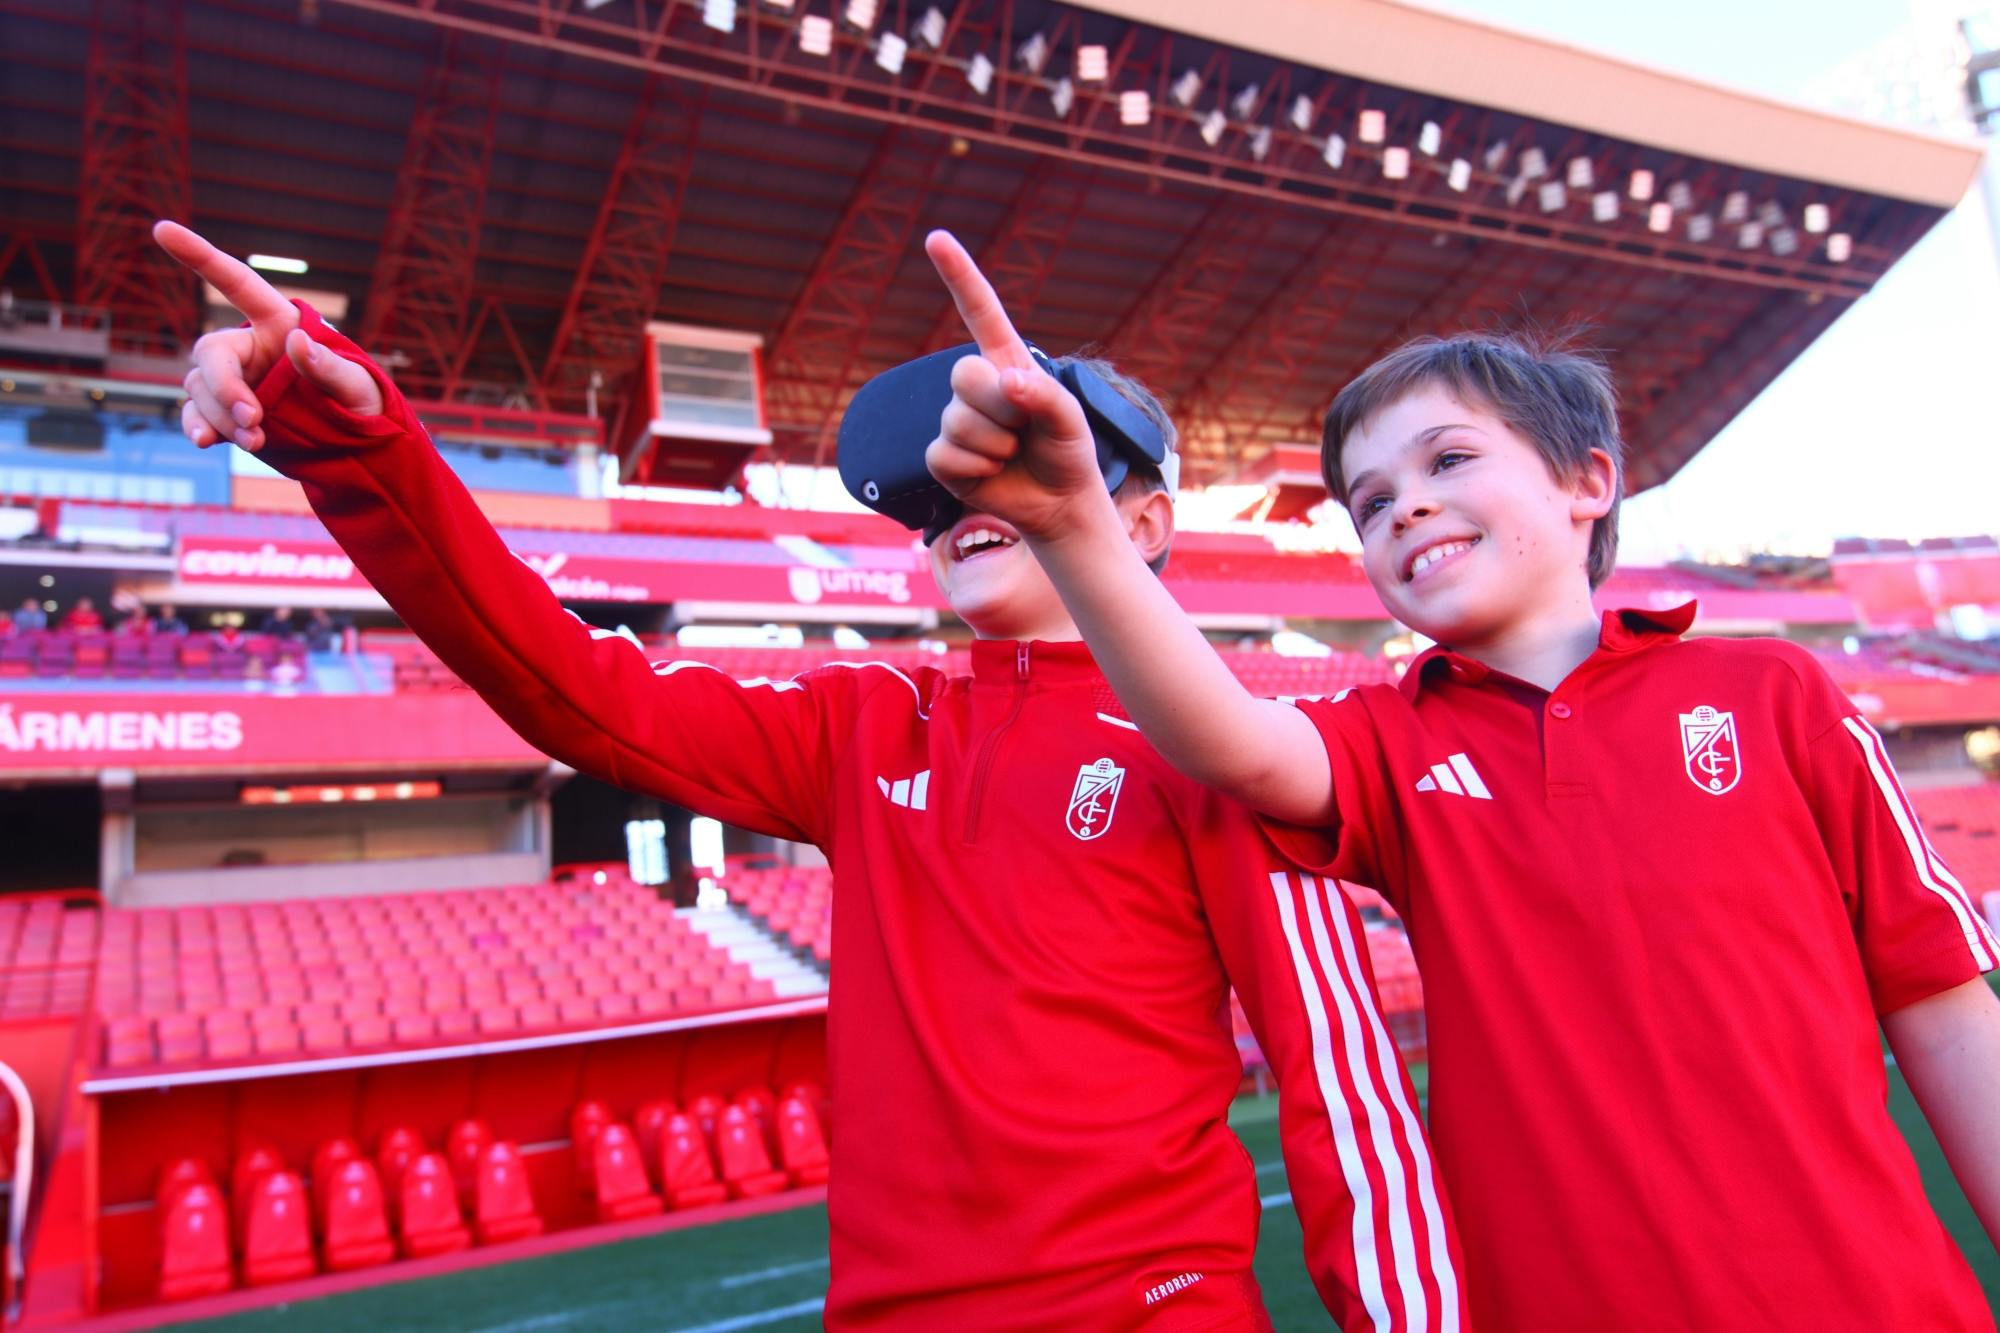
(999, 661)
(1626, 629)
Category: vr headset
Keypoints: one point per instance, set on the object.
(894, 417)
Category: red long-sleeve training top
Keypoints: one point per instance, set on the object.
(1030, 1053)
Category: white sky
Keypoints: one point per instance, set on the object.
(1887, 426)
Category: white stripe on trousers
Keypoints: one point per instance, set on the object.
(1387, 1056)
(1978, 938)
(1340, 1116)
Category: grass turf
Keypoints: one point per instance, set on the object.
(768, 1272)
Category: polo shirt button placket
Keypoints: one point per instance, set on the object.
(1560, 710)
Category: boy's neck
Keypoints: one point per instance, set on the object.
(1544, 648)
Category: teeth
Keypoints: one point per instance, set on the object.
(1435, 554)
(979, 537)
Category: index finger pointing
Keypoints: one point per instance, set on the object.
(978, 304)
(236, 280)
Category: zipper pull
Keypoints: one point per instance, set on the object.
(1021, 661)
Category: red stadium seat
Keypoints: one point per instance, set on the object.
(707, 1112)
(585, 1123)
(687, 1172)
(648, 1123)
(763, 1110)
(194, 1244)
(505, 1207)
(394, 1152)
(430, 1217)
(177, 1176)
(277, 1231)
(623, 1192)
(353, 1218)
(251, 1167)
(465, 1147)
(746, 1164)
(801, 1146)
(330, 1157)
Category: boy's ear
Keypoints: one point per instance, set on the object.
(1150, 523)
(1595, 489)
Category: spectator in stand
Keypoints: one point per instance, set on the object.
(135, 623)
(229, 636)
(322, 631)
(30, 616)
(83, 618)
(6, 625)
(168, 621)
(279, 624)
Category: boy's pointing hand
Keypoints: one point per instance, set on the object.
(222, 399)
(1013, 442)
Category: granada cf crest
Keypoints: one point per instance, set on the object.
(1095, 798)
(1708, 750)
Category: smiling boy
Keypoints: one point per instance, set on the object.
(1029, 1047)
(1662, 890)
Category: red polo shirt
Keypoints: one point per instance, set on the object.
(1658, 911)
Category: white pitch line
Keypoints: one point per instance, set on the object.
(766, 1274)
(562, 1319)
(793, 1311)
(1270, 1168)
(1276, 1200)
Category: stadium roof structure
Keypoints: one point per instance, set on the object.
(1243, 203)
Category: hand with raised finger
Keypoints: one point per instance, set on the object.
(1013, 441)
(222, 400)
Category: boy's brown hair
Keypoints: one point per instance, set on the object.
(1141, 479)
(1557, 398)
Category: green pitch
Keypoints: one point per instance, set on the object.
(769, 1272)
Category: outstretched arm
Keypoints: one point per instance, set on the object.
(1948, 1047)
(321, 412)
(1015, 444)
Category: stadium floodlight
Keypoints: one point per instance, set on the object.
(1534, 164)
(782, 6)
(1245, 101)
(1750, 235)
(1817, 218)
(277, 264)
(1784, 241)
(1496, 155)
(1396, 163)
(1516, 189)
(1186, 88)
(930, 28)
(1033, 53)
(1093, 64)
(1681, 195)
(1302, 113)
(595, 4)
(1372, 127)
(1460, 175)
(1640, 187)
(816, 35)
(719, 15)
(1212, 126)
(1062, 97)
(1135, 107)
(980, 73)
(1604, 205)
(1736, 206)
(1840, 247)
(889, 52)
(1260, 142)
(861, 13)
(1701, 228)
(1552, 196)
(1430, 138)
(1660, 218)
(1336, 151)
(1771, 214)
(1581, 174)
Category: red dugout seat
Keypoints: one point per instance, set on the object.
(687, 1172)
(623, 1192)
(430, 1216)
(505, 1206)
(277, 1231)
(353, 1217)
(194, 1244)
(746, 1164)
(801, 1146)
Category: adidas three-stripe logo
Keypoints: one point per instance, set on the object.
(911, 792)
(1456, 776)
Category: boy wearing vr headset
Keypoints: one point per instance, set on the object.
(1030, 1052)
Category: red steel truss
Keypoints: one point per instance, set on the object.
(135, 170)
(420, 297)
(1023, 251)
(618, 279)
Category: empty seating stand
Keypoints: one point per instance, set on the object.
(306, 978)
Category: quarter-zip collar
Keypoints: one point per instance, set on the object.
(1011, 661)
(1624, 630)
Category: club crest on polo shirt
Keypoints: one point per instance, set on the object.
(1094, 799)
(1708, 750)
